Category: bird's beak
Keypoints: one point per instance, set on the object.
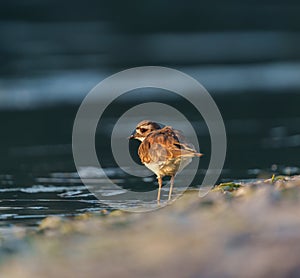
(132, 136)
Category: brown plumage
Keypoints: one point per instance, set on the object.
(163, 150)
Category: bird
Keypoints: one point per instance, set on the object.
(163, 150)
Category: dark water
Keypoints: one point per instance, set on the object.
(39, 177)
(248, 60)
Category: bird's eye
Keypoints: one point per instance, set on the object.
(143, 130)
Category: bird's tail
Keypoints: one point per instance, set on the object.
(190, 154)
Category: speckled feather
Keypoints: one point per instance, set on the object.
(168, 149)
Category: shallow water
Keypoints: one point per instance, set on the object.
(45, 196)
(38, 176)
(64, 194)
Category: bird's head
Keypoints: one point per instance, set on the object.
(144, 128)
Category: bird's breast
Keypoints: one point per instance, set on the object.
(168, 167)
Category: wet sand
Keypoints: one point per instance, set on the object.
(237, 230)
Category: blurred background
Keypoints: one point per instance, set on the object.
(53, 53)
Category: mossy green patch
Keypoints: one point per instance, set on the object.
(277, 178)
(227, 187)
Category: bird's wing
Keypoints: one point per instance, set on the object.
(165, 144)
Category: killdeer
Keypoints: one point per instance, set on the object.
(163, 150)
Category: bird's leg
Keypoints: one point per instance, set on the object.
(171, 187)
(159, 188)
